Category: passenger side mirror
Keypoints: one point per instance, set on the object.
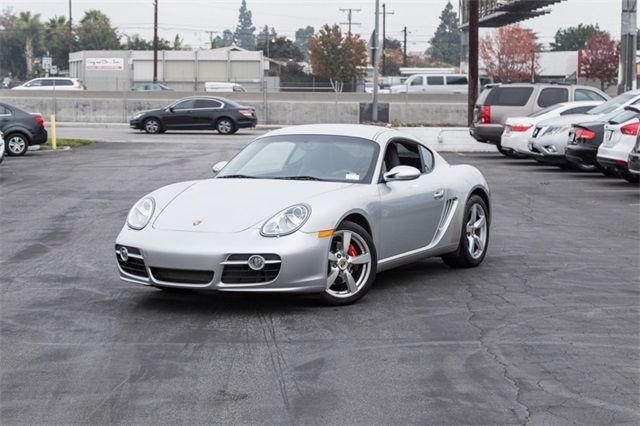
(171, 109)
(218, 167)
(401, 173)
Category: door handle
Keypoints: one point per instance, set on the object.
(438, 194)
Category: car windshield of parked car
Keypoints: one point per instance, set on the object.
(612, 104)
(306, 157)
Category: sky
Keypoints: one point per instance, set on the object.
(193, 18)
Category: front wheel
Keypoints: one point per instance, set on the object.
(351, 265)
(152, 125)
(225, 126)
(16, 145)
(474, 238)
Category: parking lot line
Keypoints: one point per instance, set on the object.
(613, 190)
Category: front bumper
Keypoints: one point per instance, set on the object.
(303, 259)
(136, 124)
(487, 133)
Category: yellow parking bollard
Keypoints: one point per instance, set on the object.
(54, 140)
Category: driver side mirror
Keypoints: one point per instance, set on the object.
(218, 167)
(171, 109)
(401, 173)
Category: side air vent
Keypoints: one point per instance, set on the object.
(447, 214)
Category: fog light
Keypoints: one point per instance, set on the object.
(256, 262)
(552, 148)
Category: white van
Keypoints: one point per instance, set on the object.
(52, 83)
(441, 84)
(222, 87)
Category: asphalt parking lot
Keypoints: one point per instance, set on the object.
(545, 331)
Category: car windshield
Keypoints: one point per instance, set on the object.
(612, 104)
(306, 157)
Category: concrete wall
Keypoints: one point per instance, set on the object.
(284, 109)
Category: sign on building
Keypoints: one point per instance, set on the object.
(46, 63)
(104, 64)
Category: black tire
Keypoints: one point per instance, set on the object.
(604, 170)
(358, 235)
(16, 145)
(630, 177)
(152, 125)
(587, 168)
(565, 166)
(225, 126)
(505, 152)
(462, 257)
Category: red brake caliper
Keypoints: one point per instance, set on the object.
(352, 252)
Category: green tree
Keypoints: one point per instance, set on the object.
(303, 35)
(12, 61)
(393, 56)
(445, 45)
(335, 57)
(178, 43)
(265, 34)
(243, 35)
(30, 29)
(574, 38)
(56, 41)
(96, 33)
(135, 42)
(225, 40)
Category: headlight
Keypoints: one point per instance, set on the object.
(141, 213)
(287, 221)
(136, 116)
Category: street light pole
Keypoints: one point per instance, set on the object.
(155, 41)
(70, 40)
(374, 112)
(474, 16)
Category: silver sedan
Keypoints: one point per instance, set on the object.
(313, 209)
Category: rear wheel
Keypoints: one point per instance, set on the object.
(152, 125)
(16, 145)
(630, 177)
(474, 238)
(225, 126)
(505, 152)
(604, 170)
(351, 265)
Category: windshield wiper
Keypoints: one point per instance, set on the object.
(299, 178)
(237, 177)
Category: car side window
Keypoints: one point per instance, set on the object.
(417, 81)
(552, 95)
(64, 83)
(35, 83)
(427, 159)
(47, 82)
(455, 80)
(207, 103)
(402, 154)
(435, 80)
(4, 110)
(588, 95)
(188, 104)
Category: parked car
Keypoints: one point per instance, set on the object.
(499, 102)
(620, 137)
(21, 129)
(197, 113)
(294, 212)
(52, 83)
(634, 158)
(518, 130)
(368, 88)
(1, 147)
(151, 87)
(223, 87)
(445, 84)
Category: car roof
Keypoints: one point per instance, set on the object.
(349, 130)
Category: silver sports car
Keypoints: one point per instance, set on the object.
(315, 208)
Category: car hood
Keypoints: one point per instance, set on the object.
(233, 205)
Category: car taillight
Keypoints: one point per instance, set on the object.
(40, 120)
(585, 134)
(485, 114)
(630, 129)
(246, 112)
(521, 127)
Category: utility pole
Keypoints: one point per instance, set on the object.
(155, 41)
(374, 112)
(384, 37)
(404, 48)
(628, 46)
(211, 37)
(474, 13)
(349, 11)
(70, 41)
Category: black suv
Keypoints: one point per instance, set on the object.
(21, 129)
(197, 113)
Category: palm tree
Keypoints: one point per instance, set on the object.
(30, 29)
(56, 40)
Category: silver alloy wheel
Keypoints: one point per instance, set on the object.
(477, 231)
(17, 145)
(225, 126)
(347, 274)
(152, 125)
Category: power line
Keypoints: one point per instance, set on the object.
(349, 11)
